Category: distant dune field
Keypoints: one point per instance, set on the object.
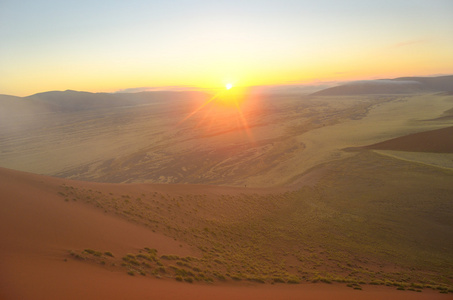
(272, 141)
(341, 194)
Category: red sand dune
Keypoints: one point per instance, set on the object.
(436, 141)
(37, 229)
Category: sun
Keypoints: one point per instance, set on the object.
(223, 107)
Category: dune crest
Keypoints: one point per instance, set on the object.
(435, 141)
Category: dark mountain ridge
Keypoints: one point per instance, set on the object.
(68, 101)
(401, 85)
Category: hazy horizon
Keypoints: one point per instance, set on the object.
(277, 88)
(113, 46)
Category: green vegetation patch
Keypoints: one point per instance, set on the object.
(368, 220)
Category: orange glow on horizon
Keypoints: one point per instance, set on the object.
(223, 111)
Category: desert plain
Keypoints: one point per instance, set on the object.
(172, 195)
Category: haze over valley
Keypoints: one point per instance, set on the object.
(152, 136)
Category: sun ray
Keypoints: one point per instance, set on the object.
(221, 110)
(198, 109)
(244, 122)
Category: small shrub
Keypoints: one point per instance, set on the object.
(220, 276)
(131, 259)
(256, 279)
(77, 256)
(143, 256)
(293, 280)
(108, 253)
(170, 257)
(151, 251)
(417, 285)
(93, 252)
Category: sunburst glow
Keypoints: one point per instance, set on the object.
(223, 111)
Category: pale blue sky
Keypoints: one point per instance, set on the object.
(108, 45)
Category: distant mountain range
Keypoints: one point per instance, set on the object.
(69, 101)
(402, 85)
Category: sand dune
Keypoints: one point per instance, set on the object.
(402, 85)
(283, 136)
(436, 141)
(38, 229)
(28, 200)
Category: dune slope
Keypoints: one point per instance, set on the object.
(39, 228)
(435, 141)
(402, 85)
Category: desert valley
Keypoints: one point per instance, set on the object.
(341, 193)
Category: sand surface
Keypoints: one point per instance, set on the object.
(57, 280)
(272, 155)
(269, 142)
(433, 141)
(37, 229)
(441, 160)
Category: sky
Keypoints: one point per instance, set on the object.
(106, 46)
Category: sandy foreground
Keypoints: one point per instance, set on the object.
(37, 230)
